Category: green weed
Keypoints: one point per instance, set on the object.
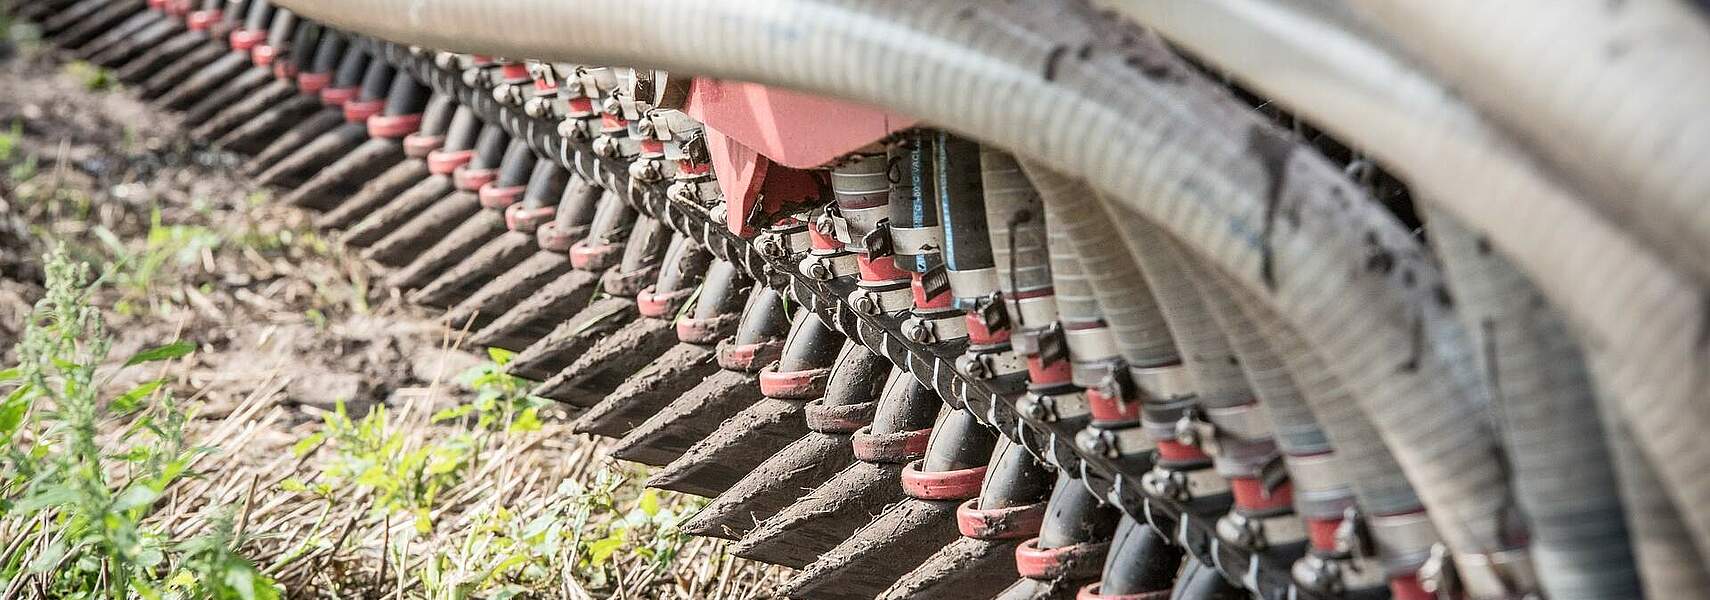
(81, 526)
(92, 77)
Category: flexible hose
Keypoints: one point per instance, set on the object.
(1142, 336)
(1564, 479)
(1611, 93)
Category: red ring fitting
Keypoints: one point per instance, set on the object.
(339, 96)
(981, 335)
(651, 146)
(203, 20)
(1010, 523)
(358, 111)
(580, 106)
(1177, 452)
(805, 384)
(1040, 373)
(1322, 533)
(748, 357)
(1250, 494)
(1407, 587)
(593, 255)
(447, 162)
(1090, 592)
(839, 419)
(878, 269)
(497, 197)
(157, 5)
(651, 303)
(243, 40)
(520, 218)
(820, 241)
(917, 286)
(262, 55)
(958, 484)
(285, 70)
(900, 448)
(1109, 409)
(421, 146)
(1034, 562)
(553, 238)
(178, 9)
(515, 73)
(470, 179)
(705, 331)
(393, 127)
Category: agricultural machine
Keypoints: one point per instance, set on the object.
(1120, 299)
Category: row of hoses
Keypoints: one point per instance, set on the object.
(1556, 301)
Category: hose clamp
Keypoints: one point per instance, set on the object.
(1334, 576)
(991, 365)
(782, 242)
(1241, 423)
(1261, 533)
(1050, 408)
(1404, 541)
(1183, 485)
(1090, 343)
(858, 223)
(1316, 473)
(881, 298)
(826, 266)
(917, 241)
(972, 284)
(1167, 382)
(934, 327)
(1114, 443)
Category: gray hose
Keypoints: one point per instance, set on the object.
(1611, 93)
(1122, 119)
(1127, 305)
(1564, 480)
(1015, 220)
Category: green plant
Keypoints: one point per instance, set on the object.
(135, 272)
(84, 527)
(93, 78)
(501, 399)
(9, 140)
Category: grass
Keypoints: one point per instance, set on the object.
(75, 510)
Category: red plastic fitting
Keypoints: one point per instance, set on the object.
(652, 304)
(941, 301)
(820, 241)
(879, 269)
(520, 218)
(157, 5)
(339, 96)
(651, 146)
(393, 127)
(1009, 523)
(957, 484)
(593, 255)
(243, 40)
(1111, 409)
(203, 20)
(515, 73)
(470, 179)
(748, 357)
(1250, 494)
(1177, 452)
(839, 419)
(805, 384)
(358, 111)
(496, 197)
(447, 162)
(1407, 587)
(285, 70)
(979, 334)
(1091, 592)
(421, 146)
(178, 9)
(900, 448)
(1039, 373)
(262, 55)
(705, 331)
(1322, 533)
(553, 238)
(1033, 562)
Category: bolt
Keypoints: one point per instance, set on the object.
(866, 305)
(537, 107)
(817, 271)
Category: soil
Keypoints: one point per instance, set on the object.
(269, 302)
